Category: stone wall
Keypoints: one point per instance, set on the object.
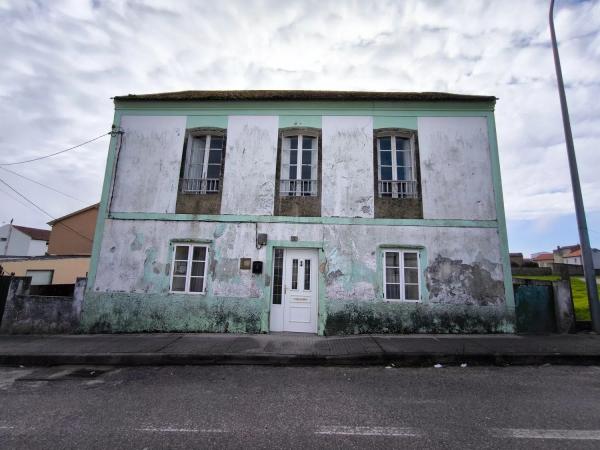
(36, 314)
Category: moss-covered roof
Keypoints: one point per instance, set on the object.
(296, 95)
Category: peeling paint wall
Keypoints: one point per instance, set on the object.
(463, 284)
(456, 168)
(147, 175)
(347, 167)
(462, 272)
(249, 178)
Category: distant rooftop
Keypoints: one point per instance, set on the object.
(74, 213)
(37, 234)
(286, 95)
(544, 257)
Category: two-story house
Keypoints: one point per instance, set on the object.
(305, 211)
(67, 250)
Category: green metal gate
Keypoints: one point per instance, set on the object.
(534, 302)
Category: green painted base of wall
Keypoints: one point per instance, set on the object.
(133, 313)
(344, 317)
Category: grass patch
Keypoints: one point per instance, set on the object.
(580, 298)
(578, 289)
(539, 277)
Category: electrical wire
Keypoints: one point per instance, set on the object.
(44, 185)
(13, 197)
(39, 208)
(56, 153)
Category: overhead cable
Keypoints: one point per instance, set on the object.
(56, 153)
(39, 208)
(44, 185)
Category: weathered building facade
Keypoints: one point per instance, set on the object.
(309, 211)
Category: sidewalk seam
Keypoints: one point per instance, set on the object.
(169, 343)
(383, 352)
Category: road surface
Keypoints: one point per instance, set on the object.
(299, 407)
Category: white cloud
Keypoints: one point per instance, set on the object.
(63, 60)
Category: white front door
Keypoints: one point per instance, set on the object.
(297, 282)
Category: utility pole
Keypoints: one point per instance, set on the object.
(8, 237)
(584, 239)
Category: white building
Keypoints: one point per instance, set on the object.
(310, 211)
(16, 240)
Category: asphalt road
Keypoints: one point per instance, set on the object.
(278, 407)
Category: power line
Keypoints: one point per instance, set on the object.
(44, 185)
(13, 197)
(57, 153)
(45, 212)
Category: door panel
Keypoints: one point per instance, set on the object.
(298, 309)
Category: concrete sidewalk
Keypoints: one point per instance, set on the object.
(298, 349)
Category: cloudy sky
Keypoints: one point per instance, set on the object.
(63, 60)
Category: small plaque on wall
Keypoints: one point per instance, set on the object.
(245, 263)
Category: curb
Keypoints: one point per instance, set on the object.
(396, 359)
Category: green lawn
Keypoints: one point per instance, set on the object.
(580, 300)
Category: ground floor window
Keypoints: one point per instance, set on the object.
(40, 277)
(401, 278)
(188, 272)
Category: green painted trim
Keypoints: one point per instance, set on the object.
(207, 121)
(390, 114)
(191, 241)
(500, 215)
(395, 122)
(423, 263)
(103, 208)
(301, 121)
(296, 244)
(316, 108)
(322, 306)
(453, 223)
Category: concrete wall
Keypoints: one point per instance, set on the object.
(347, 167)
(17, 243)
(33, 314)
(250, 163)
(461, 273)
(147, 172)
(454, 151)
(456, 168)
(596, 258)
(66, 270)
(64, 241)
(460, 239)
(37, 248)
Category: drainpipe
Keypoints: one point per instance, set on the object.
(584, 239)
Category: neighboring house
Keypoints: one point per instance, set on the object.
(571, 254)
(69, 247)
(543, 259)
(309, 211)
(73, 233)
(48, 269)
(516, 259)
(16, 240)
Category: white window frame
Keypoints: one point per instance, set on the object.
(394, 180)
(314, 165)
(188, 276)
(401, 252)
(188, 160)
